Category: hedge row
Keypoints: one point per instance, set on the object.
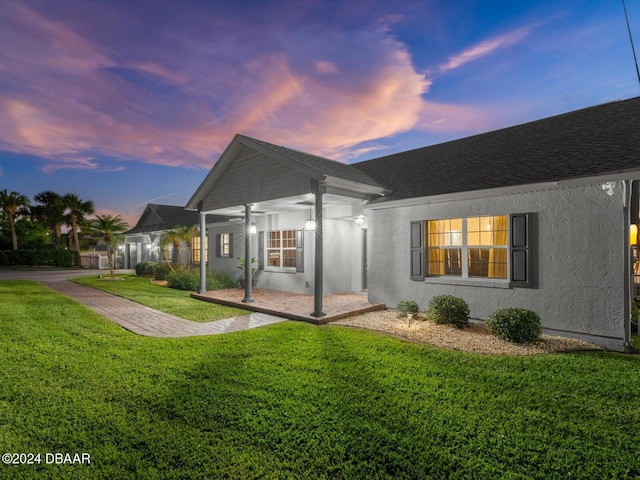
(40, 257)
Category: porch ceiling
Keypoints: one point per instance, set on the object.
(288, 204)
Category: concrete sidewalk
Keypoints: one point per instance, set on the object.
(131, 315)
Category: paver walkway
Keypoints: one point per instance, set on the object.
(136, 317)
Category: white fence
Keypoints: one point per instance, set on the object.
(95, 261)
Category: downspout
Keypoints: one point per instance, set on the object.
(203, 258)
(627, 186)
(247, 254)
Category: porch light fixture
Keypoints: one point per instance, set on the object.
(253, 228)
(310, 224)
(360, 219)
(608, 187)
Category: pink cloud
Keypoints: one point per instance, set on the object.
(484, 48)
(71, 93)
(324, 67)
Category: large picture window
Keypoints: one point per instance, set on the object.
(281, 249)
(468, 247)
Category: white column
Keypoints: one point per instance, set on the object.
(203, 257)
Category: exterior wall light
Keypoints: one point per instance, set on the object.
(608, 187)
(310, 224)
(253, 228)
(360, 219)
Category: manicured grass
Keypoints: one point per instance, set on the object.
(169, 300)
(293, 401)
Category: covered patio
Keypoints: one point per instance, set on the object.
(295, 306)
(297, 224)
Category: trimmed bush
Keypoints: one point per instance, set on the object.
(406, 307)
(189, 279)
(161, 271)
(218, 280)
(448, 309)
(38, 257)
(517, 325)
(144, 269)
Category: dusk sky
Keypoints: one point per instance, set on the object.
(130, 102)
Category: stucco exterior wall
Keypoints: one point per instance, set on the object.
(342, 249)
(580, 291)
(343, 256)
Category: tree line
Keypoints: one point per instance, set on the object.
(34, 224)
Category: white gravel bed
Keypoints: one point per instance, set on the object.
(474, 338)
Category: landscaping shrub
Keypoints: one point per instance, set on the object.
(218, 280)
(517, 325)
(161, 271)
(144, 269)
(49, 257)
(448, 309)
(407, 306)
(189, 279)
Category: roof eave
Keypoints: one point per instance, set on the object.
(631, 174)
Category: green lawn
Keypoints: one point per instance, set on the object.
(297, 401)
(169, 300)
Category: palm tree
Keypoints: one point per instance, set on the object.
(76, 211)
(50, 212)
(171, 237)
(12, 204)
(109, 226)
(186, 235)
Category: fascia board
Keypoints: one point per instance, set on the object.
(215, 173)
(337, 183)
(511, 190)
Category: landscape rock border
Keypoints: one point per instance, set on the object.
(474, 338)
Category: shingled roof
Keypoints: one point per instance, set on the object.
(584, 143)
(156, 218)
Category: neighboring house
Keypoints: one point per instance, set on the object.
(142, 242)
(534, 216)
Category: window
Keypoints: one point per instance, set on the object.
(445, 246)
(498, 247)
(224, 245)
(281, 249)
(487, 246)
(195, 250)
(468, 247)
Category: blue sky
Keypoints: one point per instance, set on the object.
(126, 103)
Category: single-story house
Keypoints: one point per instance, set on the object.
(534, 216)
(142, 242)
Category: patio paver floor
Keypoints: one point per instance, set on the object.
(295, 306)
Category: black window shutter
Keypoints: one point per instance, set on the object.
(218, 246)
(522, 272)
(231, 245)
(417, 251)
(299, 250)
(260, 250)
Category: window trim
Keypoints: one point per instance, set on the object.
(220, 245)
(196, 258)
(296, 249)
(465, 249)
